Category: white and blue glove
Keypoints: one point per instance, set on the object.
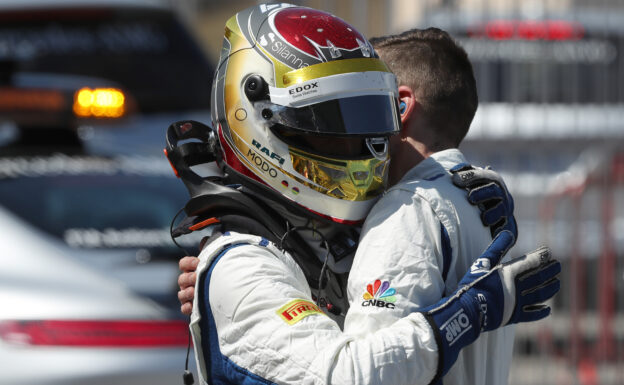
(492, 295)
(487, 191)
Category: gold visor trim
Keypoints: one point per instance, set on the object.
(335, 67)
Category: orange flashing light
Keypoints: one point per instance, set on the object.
(99, 103)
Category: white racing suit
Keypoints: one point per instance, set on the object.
(254, 322)
(416, 244)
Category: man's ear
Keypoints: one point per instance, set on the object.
(407, 103)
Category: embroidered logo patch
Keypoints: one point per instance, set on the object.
(296, 310)
(455, 327)
(481, 265)
(379, 294)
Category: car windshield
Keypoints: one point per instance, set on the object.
(148, 52)
(95, 202)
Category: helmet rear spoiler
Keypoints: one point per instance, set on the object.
(207, 196)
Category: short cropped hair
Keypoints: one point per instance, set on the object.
(438, 70)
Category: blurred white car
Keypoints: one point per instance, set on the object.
(68, 319)
(88, 270)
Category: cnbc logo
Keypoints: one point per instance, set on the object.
(379, 294)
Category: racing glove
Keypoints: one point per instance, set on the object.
(487, 191)
(492, 295)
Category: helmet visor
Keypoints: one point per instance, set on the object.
(353, 180)
(366, 115)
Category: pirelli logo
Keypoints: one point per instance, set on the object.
(296, 310)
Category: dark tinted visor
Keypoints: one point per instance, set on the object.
(368, 115)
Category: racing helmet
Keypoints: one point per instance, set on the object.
(302, 104)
